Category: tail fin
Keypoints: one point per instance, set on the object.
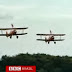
(50, 32)
(12, 25)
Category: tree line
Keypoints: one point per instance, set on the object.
(43, 62)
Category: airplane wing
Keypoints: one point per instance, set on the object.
(21, 34)
(13, 28)
(14, 34)
(50, 34)
(50, 40)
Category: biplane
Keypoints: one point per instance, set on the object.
(51, 37)
(13, 31)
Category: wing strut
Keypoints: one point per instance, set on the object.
(1, 31)
(41, 37)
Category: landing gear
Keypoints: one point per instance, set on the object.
(10, 37)
(54, 42)
(17, 37)
(48, 42)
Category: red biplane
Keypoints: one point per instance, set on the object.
(13, 31)
(51, 37)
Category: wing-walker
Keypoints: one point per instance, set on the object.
(51, 37)
(13, 31)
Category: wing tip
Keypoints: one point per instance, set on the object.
(37, 34)
(26, 27)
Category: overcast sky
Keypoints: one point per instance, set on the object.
(40, 16)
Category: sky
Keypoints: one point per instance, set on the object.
(40, 16)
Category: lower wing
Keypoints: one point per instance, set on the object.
(13, 34)
(50, 40)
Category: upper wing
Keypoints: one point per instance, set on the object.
(14, 34)
(50, 34)
(50, 40)
(13, 28)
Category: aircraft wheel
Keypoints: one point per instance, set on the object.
(17, 37)
(48, 42)
(10, 37)
(54, 42)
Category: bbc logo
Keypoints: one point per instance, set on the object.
(20, 68)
